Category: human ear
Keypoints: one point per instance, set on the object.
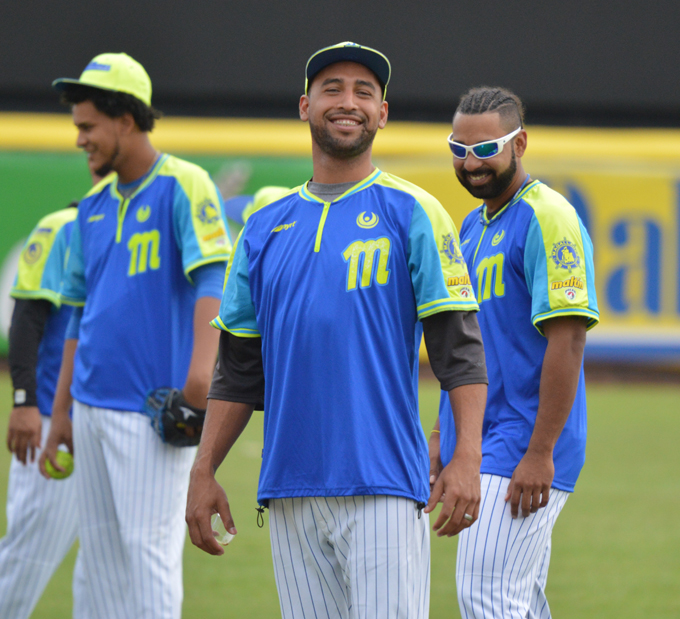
(304, 108)
(384, 109)
(521, 143)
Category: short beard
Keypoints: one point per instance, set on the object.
(496, 186)
(106, 168)
(339, 149)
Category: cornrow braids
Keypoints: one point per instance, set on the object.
(493, 99)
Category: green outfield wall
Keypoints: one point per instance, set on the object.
(625, 184)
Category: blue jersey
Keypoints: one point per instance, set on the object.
(533, 260)
(41, 267)
(130, 265)
(336, 291)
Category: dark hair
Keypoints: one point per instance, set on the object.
(486, 99)
(113, 104)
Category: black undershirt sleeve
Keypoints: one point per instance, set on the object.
(25, 334)
(454, 346)
(239, 374)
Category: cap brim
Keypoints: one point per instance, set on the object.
(370, 58)
(63, 83)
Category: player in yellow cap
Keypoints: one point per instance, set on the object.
(146, 267)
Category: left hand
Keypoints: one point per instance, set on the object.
(531, 483)
(460, 487)
(24, 431)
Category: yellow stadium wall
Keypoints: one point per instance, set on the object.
(625, 184)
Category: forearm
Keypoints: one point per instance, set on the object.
(224, 423)
(468, 403)
(62, 396)
(28, 325)
(204, 352)
(559, 381)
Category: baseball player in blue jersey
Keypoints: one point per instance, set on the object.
(146, 265)
(41, 524)
(531, 266)
(329, 289)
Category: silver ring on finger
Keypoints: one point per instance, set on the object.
(468, 517)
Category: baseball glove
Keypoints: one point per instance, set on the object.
(171, 415)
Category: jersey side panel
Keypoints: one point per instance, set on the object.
(237, 313)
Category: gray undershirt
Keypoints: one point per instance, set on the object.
(329, 191)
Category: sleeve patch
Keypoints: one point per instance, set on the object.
(565, 255)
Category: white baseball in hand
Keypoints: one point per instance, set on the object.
(219, 531)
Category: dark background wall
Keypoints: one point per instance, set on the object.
(573, 62)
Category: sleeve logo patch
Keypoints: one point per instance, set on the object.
(32, 253)
(465, 292)
(498, 237)
(565, 256)
(143, 213)
(463, 280)
(451, 250)
(207, 212)
(572, 282)
(366, 221)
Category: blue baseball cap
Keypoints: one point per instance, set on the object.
(349, 52)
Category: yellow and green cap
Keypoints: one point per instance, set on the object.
(349, 52)
(114, 72)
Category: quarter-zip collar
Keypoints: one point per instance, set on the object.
(310, 197)
(519, 194)
(124, 202)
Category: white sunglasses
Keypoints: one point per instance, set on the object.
(481, 150)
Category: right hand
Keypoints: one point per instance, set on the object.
(61, 433)
(205, 498)
(23, 433)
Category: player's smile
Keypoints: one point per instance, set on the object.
(478, 177)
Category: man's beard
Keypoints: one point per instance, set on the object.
(104, 169)
(495, 186)
(341, 149)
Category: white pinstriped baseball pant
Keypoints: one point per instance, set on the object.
(131, 497)
(350, 557)
(502, 565)
(41, 528)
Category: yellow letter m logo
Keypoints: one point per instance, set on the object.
(490, 270)
(367, 250)
(144, 251)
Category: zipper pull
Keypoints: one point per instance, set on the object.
(260, 516)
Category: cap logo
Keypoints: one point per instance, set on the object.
(96, 66)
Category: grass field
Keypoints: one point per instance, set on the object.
(616, 546)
